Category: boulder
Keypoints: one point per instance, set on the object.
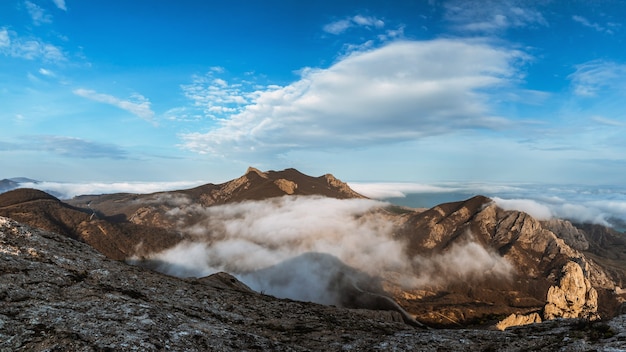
(517, 320)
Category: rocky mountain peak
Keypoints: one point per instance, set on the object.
(253, 170)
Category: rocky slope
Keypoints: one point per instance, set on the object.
(551, 277)
(60, 294)
(117, 240)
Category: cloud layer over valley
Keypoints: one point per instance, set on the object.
(298, 247)
(604, 205)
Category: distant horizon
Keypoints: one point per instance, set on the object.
(605, 205)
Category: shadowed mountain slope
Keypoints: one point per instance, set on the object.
(115, 240)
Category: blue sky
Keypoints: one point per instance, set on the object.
(412, 91)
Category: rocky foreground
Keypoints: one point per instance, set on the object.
(59, 294)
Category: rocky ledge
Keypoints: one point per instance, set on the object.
(60, 294)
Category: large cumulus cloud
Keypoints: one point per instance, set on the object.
(401, 91)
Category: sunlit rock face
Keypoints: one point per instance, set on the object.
(573, 297)
(517, 320)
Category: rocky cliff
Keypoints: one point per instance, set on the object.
(547, 268)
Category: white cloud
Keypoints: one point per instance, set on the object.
(5, 41)
(60, 4)
(382, 190)
(37, 14)
(29, 48)
(595, 77)
(531, 207)
(585, 22)
(402, 91)
(492, 16)
(337, 27)
(368, 21)
(215, 97)
(217, 69)
(137, 104)
(67, 190)
(46, 72)
(279, 246)
(598, 205)
(340, 26)
(77, 147)
(607, 122)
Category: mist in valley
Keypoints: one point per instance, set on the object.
(311, 248)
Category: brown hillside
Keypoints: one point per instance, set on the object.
(116, 241)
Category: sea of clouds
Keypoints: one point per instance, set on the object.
(68, 190)
(604, 205)
(298, 246)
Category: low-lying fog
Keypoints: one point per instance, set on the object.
(604, 205)
(296, 247)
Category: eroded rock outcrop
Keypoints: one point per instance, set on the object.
(289, 187)
(518, 319)
(573, 297)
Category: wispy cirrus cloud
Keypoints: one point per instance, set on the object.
(492, 16)
(340, 26)
(608, 29)
(399, 92)
(45, 72)
(5, 40)
(607, 122)
(77, 147)
(65, 146)
(37, 14)
(594, 77)
(29, 48)
(60, 4)
(137, 104)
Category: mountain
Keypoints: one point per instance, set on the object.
(60, 294)
(253, 185)
(7, 184)
(115, 240)
(468, 263)
(542, 254)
